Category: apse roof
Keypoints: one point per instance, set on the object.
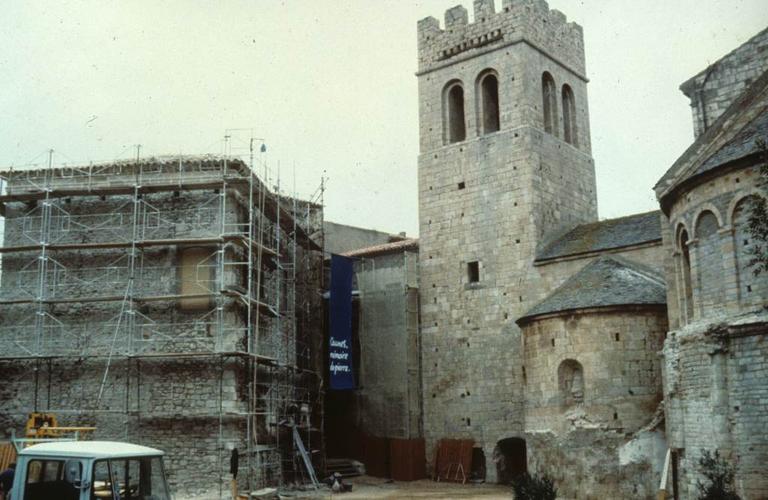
(606, 281)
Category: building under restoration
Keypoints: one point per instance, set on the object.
(171, 302)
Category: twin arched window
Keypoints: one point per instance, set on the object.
(488, 116)
(549, 107)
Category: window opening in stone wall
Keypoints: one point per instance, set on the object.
(473, 272)
(462, 185)
(570, 376)
(685, 264)
(549, 97)
(454, 113)
(569, 116)
(489, 105)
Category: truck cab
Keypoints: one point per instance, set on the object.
(89, 470)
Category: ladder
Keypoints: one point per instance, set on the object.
(305, 457)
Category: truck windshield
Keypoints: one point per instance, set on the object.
(129, 479)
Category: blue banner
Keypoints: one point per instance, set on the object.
(340, 348)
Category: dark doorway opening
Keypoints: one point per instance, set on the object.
(478, 465)
(511, 458)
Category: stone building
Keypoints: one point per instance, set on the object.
(170, 302)
(502, 167)
(542, 327)
(715, 355)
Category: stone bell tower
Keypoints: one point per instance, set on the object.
(505, 163)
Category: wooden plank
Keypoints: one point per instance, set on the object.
(7, 455)
(453, 459)
(407, 459)
(376, 456)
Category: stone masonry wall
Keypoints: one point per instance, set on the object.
(88, 330)
(714, 89)
(620, 385)
(712, 214)
(593, 464)
(172, 406)
(491, 199)
(715, 355)
(716, 400)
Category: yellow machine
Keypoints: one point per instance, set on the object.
(45, 426)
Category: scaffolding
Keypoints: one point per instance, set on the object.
(134, 270)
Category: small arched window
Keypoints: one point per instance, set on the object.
(570, 376)
(488, 109)
(453, 113)
(686, 291)
(549, 103)
(569, 116)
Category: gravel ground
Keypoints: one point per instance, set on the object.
(366, 487)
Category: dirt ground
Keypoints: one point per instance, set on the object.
(366, 487)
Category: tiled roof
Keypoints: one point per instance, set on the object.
(605, 235)
(738, 147)
(604, 282)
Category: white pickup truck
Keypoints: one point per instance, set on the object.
(89, 470)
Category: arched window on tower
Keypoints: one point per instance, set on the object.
(453, 113)
(686, 291)
(488, 107)
(569, 116)
(549, 97)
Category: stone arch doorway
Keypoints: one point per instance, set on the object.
(511, 457)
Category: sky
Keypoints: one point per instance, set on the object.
(330, 87)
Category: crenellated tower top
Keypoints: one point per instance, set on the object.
(529, 21)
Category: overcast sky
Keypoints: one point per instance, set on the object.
(330, 85)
